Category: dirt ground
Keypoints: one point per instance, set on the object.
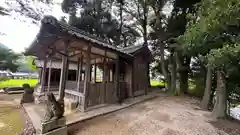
(13, 118)
(160, 116)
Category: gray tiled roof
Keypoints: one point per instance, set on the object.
(131, 49)
(89, 37)
(82, 34)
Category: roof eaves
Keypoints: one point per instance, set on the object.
(132, 49)
(81, 34)
(28, 50)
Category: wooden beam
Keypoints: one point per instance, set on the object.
(74, 54)
(85, 51)
(57, 51)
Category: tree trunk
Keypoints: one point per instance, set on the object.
(219, 110)
(173, 72)
(148, 77)
(121, 18)
(98, 7)
(207, 93)
(144, 23)
(163, 67)
(183, 63)
(184, 81)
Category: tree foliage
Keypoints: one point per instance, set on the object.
(214, 33)
(211, 28)
(96, 17)
(24, 10)
(8, 60)
(165, 30)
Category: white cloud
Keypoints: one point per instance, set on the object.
(19, 31)
(18, 34)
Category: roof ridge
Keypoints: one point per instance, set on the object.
(131, 46)
(86, 35)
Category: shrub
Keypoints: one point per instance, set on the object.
(3, 78)
(25, 85)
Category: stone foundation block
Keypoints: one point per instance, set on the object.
(58, 131)
(53, 125)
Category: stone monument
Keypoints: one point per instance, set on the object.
(27, 95)
(54, 122)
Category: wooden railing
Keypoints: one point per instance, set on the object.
(98, 93)
(74, 95)
(73, 92)
(71, 85)
(101, 93)
(95, 94)
(52, 88)
(111, 93)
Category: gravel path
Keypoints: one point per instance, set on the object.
(28, 126)
(161, 116)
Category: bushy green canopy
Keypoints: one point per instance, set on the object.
(214, 31)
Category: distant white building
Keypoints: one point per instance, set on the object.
(17, 74)
(5, 73)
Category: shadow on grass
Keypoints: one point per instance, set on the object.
(231, 127)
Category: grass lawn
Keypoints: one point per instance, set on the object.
(18, 82)
(156, 83)
(11, 121)
(33, 82)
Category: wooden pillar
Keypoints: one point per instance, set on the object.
(105, 79)
(43, 75)
(95, 72)
(40, 76)
(78, 68)
(117, 73)
(79, 73)
(83, 75)
(105, 71)
(86, 80)
(63, 78)
(49, 74)
(81, 65)
(55, 75)
(130, 92)
(90, 72)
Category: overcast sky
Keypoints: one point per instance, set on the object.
(17, 32)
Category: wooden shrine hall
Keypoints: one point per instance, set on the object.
(124, 70)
